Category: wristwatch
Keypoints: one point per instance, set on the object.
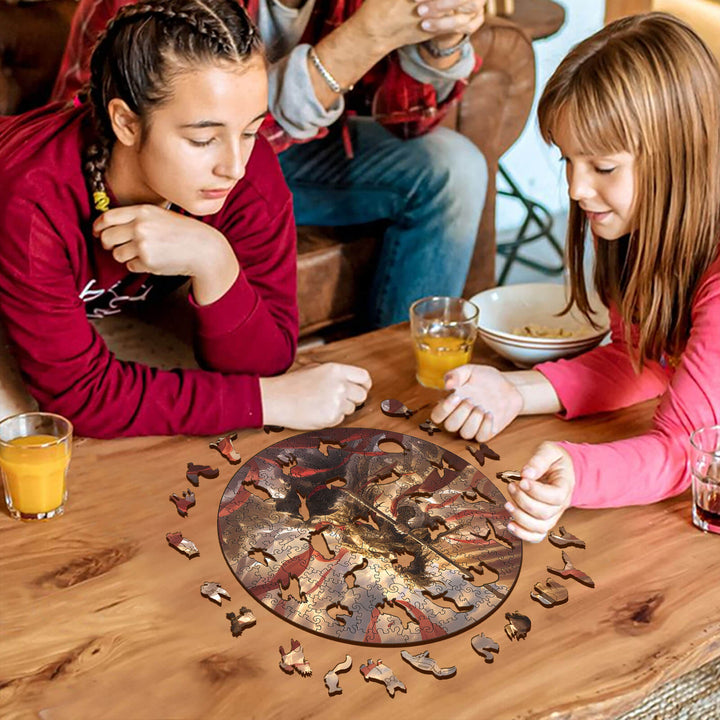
(438, 52)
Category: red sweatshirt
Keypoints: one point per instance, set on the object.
(54, 273)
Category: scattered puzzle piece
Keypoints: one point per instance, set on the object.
(424, 663)
(225, 447)
(383, 674)
(182, 544)
(485, 646)
(195, 471)
(242, 621)
(549, 593)
(518, 625)
(272, 428)
(332, 681)
(429, 427)
(481, 452)
(509, 476)
(394, 408)
(563, 539)
(294, 659)
(569, 570)
(184, 503)
(213, 591)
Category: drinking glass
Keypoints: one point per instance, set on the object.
(705, 470)
(35, 450)
(443, 331)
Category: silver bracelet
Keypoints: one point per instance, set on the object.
(332, 83)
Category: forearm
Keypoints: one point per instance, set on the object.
(216, 272)
(538, 394)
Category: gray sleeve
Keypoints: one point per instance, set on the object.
(442, 80)
(292, 97)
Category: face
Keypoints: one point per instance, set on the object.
(197, 144)
(603, 185)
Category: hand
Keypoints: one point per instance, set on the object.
(388, 24)
(538, 500)
(150, 239)
(448, 20)
(314, 397)
(483, 402)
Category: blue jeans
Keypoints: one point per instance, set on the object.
(430, 189)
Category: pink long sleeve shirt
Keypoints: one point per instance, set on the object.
(652, 466)
(54, 275)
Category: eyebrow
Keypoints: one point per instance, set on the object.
(213, 123)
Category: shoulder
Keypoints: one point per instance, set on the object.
(709, 288)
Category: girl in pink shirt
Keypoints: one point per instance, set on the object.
(157, 179)
(634, 111)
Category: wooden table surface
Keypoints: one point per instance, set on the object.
(100, 618)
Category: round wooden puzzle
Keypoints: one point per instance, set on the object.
(369, 536)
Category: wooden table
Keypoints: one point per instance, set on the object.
(100, 618)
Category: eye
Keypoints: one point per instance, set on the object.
(250, 135)
(604, 170)
(200, 143)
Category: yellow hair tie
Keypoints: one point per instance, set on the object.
(101, 200)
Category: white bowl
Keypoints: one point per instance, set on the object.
(509, 307)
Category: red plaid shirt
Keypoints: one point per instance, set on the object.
(404, 105)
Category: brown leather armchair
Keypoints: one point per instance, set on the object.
(334, 264)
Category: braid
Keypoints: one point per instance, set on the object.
(135, 53)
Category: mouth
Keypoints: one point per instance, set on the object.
(216, 194)
(594, 216)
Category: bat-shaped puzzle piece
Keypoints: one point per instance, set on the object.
(332, 681)
(424, 663)
(518, 625)
(569, 570)
(182, 544)
(214, 591)
(549, 593)
(481, 452)
(225, 447)
(430, 427)
(563, 539)
(383, 674)
(184, 503)
(242, 621)
(485, 647)
(194, 472)
(294, 659)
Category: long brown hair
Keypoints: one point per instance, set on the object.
(141, 48)
(649, 86)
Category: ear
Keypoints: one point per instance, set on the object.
(125, 123)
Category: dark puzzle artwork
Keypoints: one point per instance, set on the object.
(369, 536)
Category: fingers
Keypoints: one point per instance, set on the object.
(444, 408)
(359, 376)
(458, 416)
(487, 430)
(458, 376)
(542, 460)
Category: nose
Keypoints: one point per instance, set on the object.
(580, 186)
(231, 165)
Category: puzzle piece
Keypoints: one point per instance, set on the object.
(332, 681)
(294, 659)
(242, 621)
(394, 408)
(569, 570)
(424, 663)
(481, 452)
(184, 503)
(509, 476)
(564, 539)
(272, 428)
(485, 647)
(429, 427)
(383, 674)
(549, 593)
(213, 591)
(225, 447)
(194, 472)
(182, 544)
(518, 625)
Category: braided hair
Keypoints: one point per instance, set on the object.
(135, 57)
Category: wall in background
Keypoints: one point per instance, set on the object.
(534, 166)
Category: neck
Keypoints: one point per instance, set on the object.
(124, 177)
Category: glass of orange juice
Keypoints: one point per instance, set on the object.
(443, 331)
(35, 450)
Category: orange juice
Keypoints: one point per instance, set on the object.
(34, 475)
(436, 355)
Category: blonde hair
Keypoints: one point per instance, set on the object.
(649, 86)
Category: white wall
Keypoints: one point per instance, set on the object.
(534, 166)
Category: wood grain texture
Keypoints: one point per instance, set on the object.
(100, 618)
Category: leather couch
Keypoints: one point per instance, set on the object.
(334, 264)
